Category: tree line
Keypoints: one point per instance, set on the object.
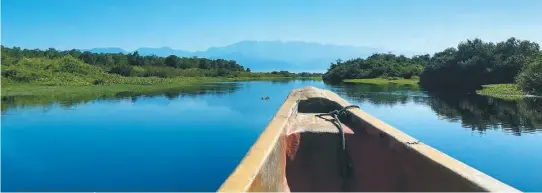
(465, 68)
(134, 64)
(119, 62)
(376, 65)
(475, 62)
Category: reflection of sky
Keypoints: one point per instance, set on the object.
(192, 143)
(511, 159)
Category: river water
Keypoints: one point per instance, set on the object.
(192, 139)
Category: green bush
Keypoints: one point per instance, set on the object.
(20, 75)
(530, 78)
(65, 69)
(33, 63)
(65, 79)
(122, 70)
(474, 63)
(376, 65)
(138, 71)
(99, 82)
(70, 64)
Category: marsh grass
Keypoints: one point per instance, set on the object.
(131, 84)
(502, 91)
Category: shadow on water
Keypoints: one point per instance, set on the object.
(480, 113)
(70, 100)
(389, 95)
(475, 112)
(291, 80)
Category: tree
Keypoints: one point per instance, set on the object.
(474, 63)
(131, 64)
(135, 59)
(172, 61)
(52, 53)
(530, 79)
(376, 65)
(120, 59)
(74, 53)
(122, 70)
(88, 57)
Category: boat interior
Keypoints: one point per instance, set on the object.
(370, 161)
(304, 150)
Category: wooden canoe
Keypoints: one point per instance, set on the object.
(300, 151)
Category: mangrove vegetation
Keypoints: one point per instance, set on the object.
(465, 68)
(376, 66)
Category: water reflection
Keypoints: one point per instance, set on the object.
(289, 81)
(379, 95)
(480, 113)
(475, 112)
(146, 134)
(68, 101)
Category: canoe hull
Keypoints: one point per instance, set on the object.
(298, 153)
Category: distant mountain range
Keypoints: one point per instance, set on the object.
(267, 55)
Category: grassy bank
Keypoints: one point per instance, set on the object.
(69, 75)
(67, 96)
(31, 94)
(38, 89)
(385, 81)
(502, 91)
(16, 89)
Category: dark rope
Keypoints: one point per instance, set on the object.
(346, 169)
(336, 114)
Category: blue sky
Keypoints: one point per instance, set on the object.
(409, 25)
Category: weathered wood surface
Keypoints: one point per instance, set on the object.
(298, 151)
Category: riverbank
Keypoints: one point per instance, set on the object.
(30, 73)
(17, 89)
(385, 81)
(502, 91)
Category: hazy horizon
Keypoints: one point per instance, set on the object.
(204, 49)
(421, 26)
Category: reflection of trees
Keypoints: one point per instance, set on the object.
(65, 101)
(378, 95)
(480, 113)
(474, 111)
(80, 98)
(290, 80)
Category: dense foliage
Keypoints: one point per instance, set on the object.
(66, 70)
(530, 79)
(72, 67)
(466, 68)
(131, 64)
(377, 65)
(474, 63)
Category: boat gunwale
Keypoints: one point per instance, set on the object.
(478, 178)
(245, 173)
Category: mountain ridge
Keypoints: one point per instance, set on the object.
(265, 55)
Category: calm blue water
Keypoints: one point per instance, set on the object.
(191, 140)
